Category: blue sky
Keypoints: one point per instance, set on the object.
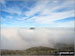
(37, 13)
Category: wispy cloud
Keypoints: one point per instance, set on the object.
(38, 12)
(2, 1)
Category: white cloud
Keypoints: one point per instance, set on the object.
(51, 18)
(21, 38)
(40, 5)
(12, 11)
(46, 9)
(47, 13)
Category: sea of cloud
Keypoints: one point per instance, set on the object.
(23, 38)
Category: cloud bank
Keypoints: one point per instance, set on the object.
(23, 38)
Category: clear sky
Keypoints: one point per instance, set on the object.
(37, 13)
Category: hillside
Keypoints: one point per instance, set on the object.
(40, 50)
(37, 51)
(30, 51)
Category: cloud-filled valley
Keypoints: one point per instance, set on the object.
(23, 38)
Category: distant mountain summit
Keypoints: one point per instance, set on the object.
(32, 28)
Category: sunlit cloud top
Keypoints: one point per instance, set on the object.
(37, 13)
